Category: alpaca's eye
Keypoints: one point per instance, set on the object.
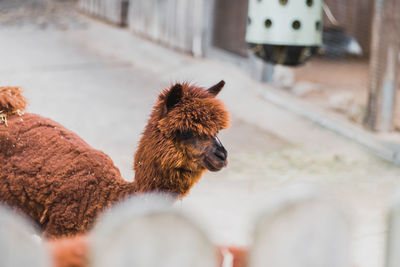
(186, 135)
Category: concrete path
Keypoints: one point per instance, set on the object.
(101, 82)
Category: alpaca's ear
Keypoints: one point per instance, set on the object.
(174, 96)
(216, 88)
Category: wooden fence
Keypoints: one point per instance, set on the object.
(296, 229)
(114, 11)
(355, 17)
(179, 24)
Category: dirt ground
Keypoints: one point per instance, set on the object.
(43, 14)
(340, 86)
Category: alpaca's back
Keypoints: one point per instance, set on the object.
(53, 175)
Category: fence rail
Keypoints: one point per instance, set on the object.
(295, 229)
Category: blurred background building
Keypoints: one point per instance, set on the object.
(352, 49)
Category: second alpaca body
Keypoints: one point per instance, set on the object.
(63, 184)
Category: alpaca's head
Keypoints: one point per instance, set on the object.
(190, 120)
(181, 137)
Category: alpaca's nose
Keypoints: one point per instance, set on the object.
(221, 154)
(220, 151)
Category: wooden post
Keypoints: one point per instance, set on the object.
(301, 230)
(393, 235)
(146, 232)
(383, 67)
(20, 244)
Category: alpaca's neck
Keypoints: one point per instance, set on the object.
(173, 181)
(156, 168)
(124, 190)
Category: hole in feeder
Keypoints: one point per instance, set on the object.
(309, 2)
(268, 23)
(318, 25)
(296, 24)
(248, 20)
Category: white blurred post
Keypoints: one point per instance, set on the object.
(393, 235)
(301, 230)
(20, 245)
(145, 232)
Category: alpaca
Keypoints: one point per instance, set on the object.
(53, 176)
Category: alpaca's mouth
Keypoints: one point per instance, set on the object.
(214, 165)
(217, 157)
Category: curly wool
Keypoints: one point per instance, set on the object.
(11, 100)
(63, 184)
(52, 175)
(197, 111)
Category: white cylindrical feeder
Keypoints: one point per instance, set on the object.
(284, 23)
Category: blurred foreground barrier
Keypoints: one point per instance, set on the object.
(300, 230)
(20, 245)
(297, 229)
(146, 232)
(114, 11)
(393, 234)
(180, 24)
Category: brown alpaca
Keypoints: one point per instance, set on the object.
(63, 184)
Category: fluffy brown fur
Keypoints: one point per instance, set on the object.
(239, 255)
(63, 184)
(11, 102)
(69, 252)
(175, 164)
